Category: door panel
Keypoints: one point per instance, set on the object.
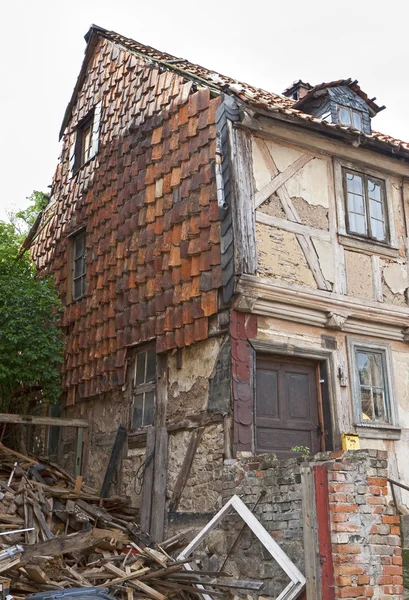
(286, 406)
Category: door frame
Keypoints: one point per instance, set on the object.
(318, 356)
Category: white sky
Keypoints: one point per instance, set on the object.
(263, 42)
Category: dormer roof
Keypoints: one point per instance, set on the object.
(317, 90)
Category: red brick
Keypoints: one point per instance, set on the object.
(391, 519)
(348, 570)
(351, 592)
(395, 530)
(363, 580)
(347, 548)
(392, 570)
(344, 508)
(381, 481)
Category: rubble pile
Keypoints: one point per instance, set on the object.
(57, 533)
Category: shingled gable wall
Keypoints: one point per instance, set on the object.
(149, 207)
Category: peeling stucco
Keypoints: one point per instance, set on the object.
(280, 256)
(359, 275)
(396, 277)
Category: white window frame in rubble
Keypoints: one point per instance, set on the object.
(297, 583)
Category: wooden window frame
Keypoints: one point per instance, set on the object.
(353, 240)
(142, 388)
(385, 349)
(351, 111)
(366, 178)
(71, 265)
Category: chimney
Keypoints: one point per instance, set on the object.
(297, 90)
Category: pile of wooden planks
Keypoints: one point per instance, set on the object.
(57, 533)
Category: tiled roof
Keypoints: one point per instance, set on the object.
(254, 97)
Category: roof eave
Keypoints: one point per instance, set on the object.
(354, 138)
(91, 37)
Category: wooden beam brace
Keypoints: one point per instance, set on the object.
(297, 228)
(280, 179)
(185, 469)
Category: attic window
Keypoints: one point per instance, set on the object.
(86, 139)
(349, 117)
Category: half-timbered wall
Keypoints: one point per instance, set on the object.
(319, 290)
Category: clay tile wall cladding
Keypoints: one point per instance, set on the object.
(148, 202)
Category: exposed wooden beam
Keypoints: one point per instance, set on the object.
(32, 420)
(280, 179)
(292, 227)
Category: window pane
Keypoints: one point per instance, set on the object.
(78, 267)
(83, 284)
(77, 288)
(376, 209)
(140, 368)
(366, 403)
(79, 245)
(137, 411)
(374, 190)
(356, 120)
(375, 361)
(378, 230)
(357, 223)
(355, 183)
(356, 203)
(362, 360)
(379, 404)
(344, 116)
(151, 365)
(149, 408)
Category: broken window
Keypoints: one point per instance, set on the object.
(79, 266)
(349, 117)
(366, 206)
(372, 383)
(144, 387)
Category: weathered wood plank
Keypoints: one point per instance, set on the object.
(185, 469)
(311, 553)
(31, 420)
(292, 226)
(113, 461)
(146, 499)
(159, 485)
(245, 250)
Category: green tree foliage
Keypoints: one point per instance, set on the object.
(23, 220)
(30, 340)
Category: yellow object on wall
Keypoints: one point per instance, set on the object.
(350, 441)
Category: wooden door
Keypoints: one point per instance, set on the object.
(286, 406)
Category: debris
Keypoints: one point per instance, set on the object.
(64, 535)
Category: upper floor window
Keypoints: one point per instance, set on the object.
(79, 267)
(144, 387)
(85, 145)
(349, 117)
(85, 140)
(365, 205)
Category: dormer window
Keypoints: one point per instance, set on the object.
(349, 117)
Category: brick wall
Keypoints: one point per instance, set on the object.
(365, 534)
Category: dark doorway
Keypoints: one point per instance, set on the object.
(287, 412)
